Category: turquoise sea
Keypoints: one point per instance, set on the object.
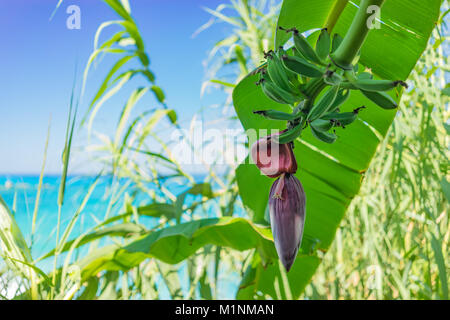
(19, 192)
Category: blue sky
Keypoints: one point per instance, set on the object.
(39, 57)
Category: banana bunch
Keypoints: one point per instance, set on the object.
(298, 77)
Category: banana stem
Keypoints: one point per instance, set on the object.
(355, 36)
(334, 15)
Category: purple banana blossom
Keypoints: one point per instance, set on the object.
(272, 158)
(287, 202)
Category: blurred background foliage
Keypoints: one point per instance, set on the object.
(392, 243)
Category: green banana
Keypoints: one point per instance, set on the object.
(277, 115)
(322, 124)
(278, 74)
(364, 75)
(264, 79)
(293, 78)
(281, 52)
(323, 44)
(299, 107)
(343, 118)
(377, 85)
(327, 137)
(276, 93)
(382, 99)
(324, 104)
(348, 85)
(271, 95)
(342, 96)
(332, 78)
(289, 135)
(301, 66)
(297, 53)
(303, 46)
(337, 39)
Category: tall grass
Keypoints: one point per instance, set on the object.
(140, 154)
(138, 163)
(251, 24)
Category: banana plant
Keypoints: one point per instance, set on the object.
(325, 77)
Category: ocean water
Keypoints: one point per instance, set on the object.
(19, 192)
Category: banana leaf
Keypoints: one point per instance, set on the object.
(330, 173)
(175, 243)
